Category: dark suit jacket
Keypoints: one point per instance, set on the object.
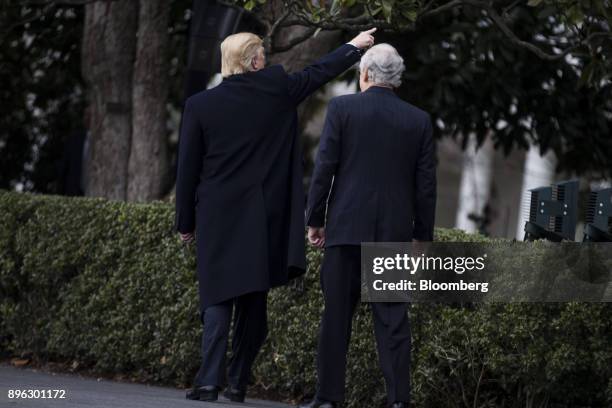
(239, 182)
(379, 152)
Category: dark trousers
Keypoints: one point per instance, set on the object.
(341, 284)
(249, 332)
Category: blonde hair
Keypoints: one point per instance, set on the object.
(237, 53)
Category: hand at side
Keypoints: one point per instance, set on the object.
(187, 238)
(316, 236)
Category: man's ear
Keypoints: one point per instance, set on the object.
(363, 76)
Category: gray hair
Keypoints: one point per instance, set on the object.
(384, 65)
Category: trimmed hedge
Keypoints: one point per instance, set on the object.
(108, 286)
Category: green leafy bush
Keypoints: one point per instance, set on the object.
(109, 286)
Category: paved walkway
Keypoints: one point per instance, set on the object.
(92, 393)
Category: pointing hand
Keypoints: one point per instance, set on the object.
(364, 39)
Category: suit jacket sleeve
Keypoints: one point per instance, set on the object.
(325, 168)
(190, 153)
(425, 187)
(311, 78)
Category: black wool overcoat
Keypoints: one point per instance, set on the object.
(239, 179)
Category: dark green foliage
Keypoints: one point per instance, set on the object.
(41, 91)
(108, 285)
(474, 81)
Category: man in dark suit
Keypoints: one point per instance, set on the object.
(378, 152)
(239, 192)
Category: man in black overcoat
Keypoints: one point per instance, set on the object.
(379, 152)
(239, 195)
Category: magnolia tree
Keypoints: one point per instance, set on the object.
(520, 72)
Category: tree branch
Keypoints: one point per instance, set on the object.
(294, 41)
(510, 7)
(366, 21)
(277, 23)
(256, 17)
(60, 2)
(429, 12)
(501, 24)
(36, 14)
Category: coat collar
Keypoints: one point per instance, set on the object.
(246, 74)
(380, 89)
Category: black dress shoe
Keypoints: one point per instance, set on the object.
(234, 394)
(319, 403)
(208, 393)
(399, 404)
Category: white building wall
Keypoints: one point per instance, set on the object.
(475, 183)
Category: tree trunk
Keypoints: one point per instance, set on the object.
(306, 52)
(108, 59)
(148, 162)
(302, 55)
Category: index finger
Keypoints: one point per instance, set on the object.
(370, 31)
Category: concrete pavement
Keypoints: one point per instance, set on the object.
(93, 393)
